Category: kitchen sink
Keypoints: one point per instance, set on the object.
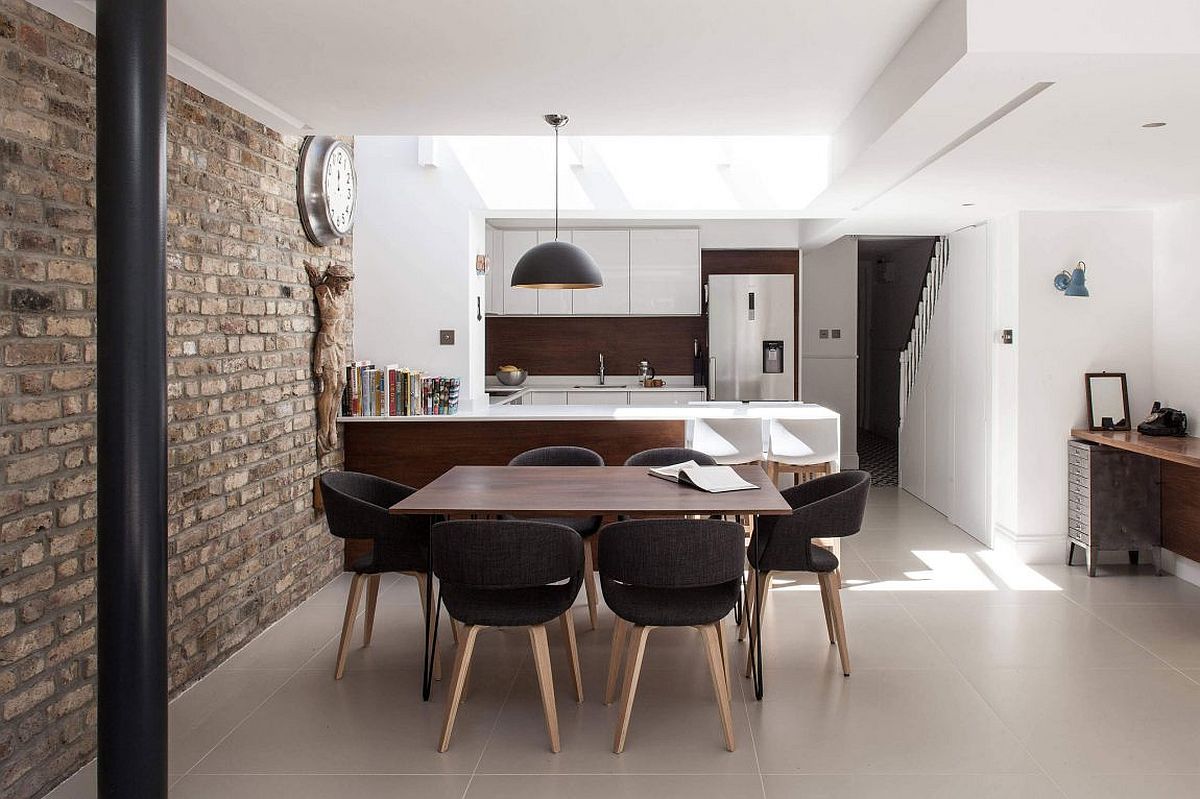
(606, 385)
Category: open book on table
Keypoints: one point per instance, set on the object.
(713, 479)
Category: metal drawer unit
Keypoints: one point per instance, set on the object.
(1112, 502)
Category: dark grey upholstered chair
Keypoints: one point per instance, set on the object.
(356, 507)
(827, 507)
(669, 456)
(509, 573)
(669, 573)
(586, 526)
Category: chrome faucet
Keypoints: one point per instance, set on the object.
(602, 368)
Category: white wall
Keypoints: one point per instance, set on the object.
(829, 367)
(415, 241)
(945, 441)
(749, 234)
(1060, 338)
(1176, 329)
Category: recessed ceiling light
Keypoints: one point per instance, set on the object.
(1155, 125)
(967, 205)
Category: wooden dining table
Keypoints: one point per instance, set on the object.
(580, 491)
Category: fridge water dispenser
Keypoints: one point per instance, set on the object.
(772, 358)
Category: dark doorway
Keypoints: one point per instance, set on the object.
(891, 274)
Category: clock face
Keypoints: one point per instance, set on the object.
(339, 189)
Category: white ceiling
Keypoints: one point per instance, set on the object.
(897, 83)
(479, 67)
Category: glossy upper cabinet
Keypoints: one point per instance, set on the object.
(610, 250)
(514, 244)
(664, 271)
(553, 301)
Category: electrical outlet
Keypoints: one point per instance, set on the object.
(837, 332)
(823, 333)
(1006, 336)
(445, 336)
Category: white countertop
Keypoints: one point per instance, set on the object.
(549, 413)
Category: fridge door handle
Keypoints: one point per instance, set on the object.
(712, 375)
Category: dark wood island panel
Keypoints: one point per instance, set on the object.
(416, 452)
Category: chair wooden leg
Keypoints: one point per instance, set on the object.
(716, 669)
(589, 580)
(541, 661)
(620, 633)
(826, 586)
(423, 587)
(724, 656)
(839, 623)
(372, 599)
(633, 670)
(462, 663)
(764, 586)
(567, 621)
(356, 587)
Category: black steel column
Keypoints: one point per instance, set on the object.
(131, 219)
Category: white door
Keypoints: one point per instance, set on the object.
(664, 271)
(514, 244)
(610, 250)
(554, 301)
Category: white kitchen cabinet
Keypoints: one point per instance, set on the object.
(664, 397)
(598, 398)
(546, 398)
(610, 250)
(553, 302)
(514, 244)
(664, 271)
(494, 300)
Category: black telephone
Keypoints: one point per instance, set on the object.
(1164, 422)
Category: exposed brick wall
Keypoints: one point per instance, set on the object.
(244, 543)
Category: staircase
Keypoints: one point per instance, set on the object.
(910, 358)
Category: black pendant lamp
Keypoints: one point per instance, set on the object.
(556, 264)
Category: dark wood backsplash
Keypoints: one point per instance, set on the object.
(569, 345)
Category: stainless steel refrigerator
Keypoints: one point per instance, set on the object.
(751, 337)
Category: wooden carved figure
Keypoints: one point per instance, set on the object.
(332, 291)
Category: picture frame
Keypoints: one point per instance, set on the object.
(1103, 391)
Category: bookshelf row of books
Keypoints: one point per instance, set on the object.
(393, 391)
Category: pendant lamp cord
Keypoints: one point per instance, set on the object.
(556, 183)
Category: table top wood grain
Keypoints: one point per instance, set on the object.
(1177, 449)
(585, 491)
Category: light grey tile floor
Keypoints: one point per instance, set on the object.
(973, 677)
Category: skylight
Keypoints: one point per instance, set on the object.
(646, 173)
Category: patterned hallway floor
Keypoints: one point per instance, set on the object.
(879, 456)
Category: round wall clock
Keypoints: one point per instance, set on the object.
(325, 189)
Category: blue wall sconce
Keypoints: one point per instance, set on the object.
(1074, 282)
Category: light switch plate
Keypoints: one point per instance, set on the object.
(823, 333)
(445, 336)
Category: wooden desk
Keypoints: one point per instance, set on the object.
(585, 491)
(1179, 460)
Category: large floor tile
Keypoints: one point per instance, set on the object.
(319, 786)
(80, 785)
(208, 711)
(952, 579)
(907, 786)
(1060, 635)
(1100, 721)
(616, 786)
(674, 729)
(397, 641)
(371, 722)
(795, 637)
(1142, 786)
(1172, 632)
(291, 641)
(883, 722)
(1121, 585)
